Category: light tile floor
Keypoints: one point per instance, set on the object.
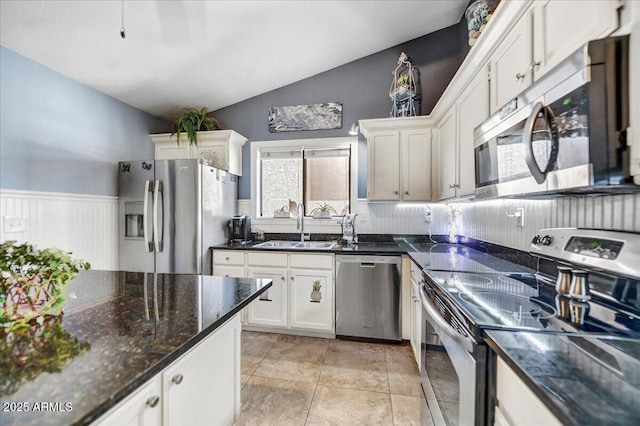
(295, 380)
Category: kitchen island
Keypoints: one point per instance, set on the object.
(121, 331)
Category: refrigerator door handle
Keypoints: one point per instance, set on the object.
(158, 223)
(148, 235)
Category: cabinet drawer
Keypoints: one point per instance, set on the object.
(267, 259)
(313, 261)
(228, 257)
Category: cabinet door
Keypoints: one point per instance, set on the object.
(307, 311)
(562, 26)
(143, 408)
(271, 307)
(511, 62)
(173, 151)
(203, 386)
(416, 165)
(383, 182)
(218, 152)
(473, 109)
(229, 271)
(448, 162)
(416, 321)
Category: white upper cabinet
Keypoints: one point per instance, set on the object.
(447, 156)
(511, 63)
(399, 158)
(548, 32)
(563, 26)
(222, 148)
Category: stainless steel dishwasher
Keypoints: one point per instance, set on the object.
(368, 297)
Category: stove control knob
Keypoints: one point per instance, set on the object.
(536, 240)
(546, 240)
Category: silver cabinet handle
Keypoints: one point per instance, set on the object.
(292, 278)
(520, 76)
(534, 65)
(406, 192)
(282, 278)
(153, 401)
(148, 235)
(395, 192)
(177, 379)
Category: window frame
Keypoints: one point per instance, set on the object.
(294, 144)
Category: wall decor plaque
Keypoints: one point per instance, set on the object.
(305, 117)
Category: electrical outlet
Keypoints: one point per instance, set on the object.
(14, 224)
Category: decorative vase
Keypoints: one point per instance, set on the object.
(316, 296)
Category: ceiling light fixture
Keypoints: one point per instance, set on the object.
(355, 129)
(122, 26)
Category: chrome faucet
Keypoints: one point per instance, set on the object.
(300, 223)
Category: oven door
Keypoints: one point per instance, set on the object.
(450, 380)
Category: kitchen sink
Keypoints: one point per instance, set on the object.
(316, 245)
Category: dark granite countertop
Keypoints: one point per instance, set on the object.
(110, 340)
(582, 380)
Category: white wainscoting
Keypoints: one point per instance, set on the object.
(488, 220)
(86, 225)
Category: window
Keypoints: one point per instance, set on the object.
(317, 172)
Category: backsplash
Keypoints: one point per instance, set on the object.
(482, 220)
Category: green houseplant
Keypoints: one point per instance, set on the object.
(32, 281)
(193, 121)
(323, 210)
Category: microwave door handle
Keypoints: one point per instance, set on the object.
(465, 341)
(527, 144)
(158, 224)
(147, 231)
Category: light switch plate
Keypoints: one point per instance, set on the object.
(14, 224)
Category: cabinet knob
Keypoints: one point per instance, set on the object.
(406, 192)
(153, 401)
(452, 186)
(395, 192)
(520, 76)
(226, 258)
(534, 65)
(292, 278)
(282, 278)
(177, 379)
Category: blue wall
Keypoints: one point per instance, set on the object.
(362, 86)
(58, 135)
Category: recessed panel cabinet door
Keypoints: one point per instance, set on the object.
(203, 386)
(383, 149)
(143, 408)
(448, 160)
(270, 308)
(563, 26)
(473, 109)
(308, 310)
(416, 165)
(511, 63)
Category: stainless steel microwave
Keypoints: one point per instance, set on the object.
(565, 134)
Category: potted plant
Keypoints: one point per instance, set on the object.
(193, 121)
(282, 212)
(316, 296)
(323, 211)
(33, 281)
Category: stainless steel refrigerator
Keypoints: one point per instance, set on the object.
(170, 213)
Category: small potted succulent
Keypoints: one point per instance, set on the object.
(192, 122)
(282, 212)
(32, 281)
(323, 211)
(316, 296)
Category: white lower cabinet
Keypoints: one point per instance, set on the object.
(516, 403)
(201, 388)
(308, 313)
(415, 313)
(142, 408)
(270, 308)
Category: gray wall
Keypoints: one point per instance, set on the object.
(58, 135)
(362, 86)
